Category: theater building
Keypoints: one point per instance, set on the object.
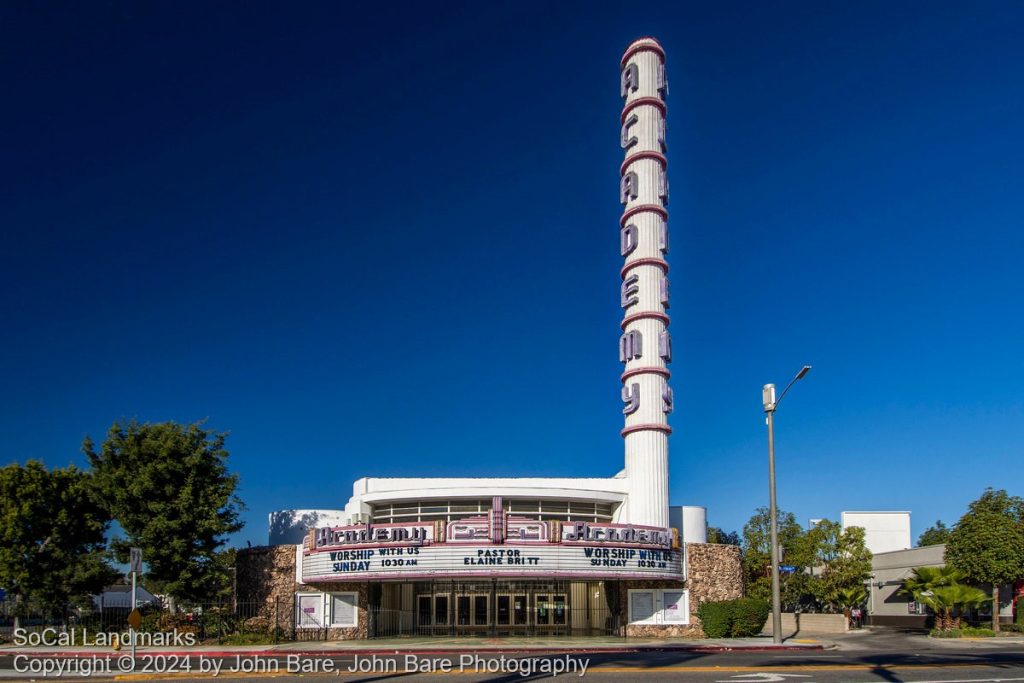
(544, 556)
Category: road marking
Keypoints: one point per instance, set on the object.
(969, 680)
(750, 678)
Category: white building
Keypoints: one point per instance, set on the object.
(884, 532)
(537, 555)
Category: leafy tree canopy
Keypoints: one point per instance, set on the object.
(827, 559)
(52, 536)
(757, 565)
(926, 579)
(934, 535)
(842, 555)
(168, 486)
(717, 535)
(987, 544)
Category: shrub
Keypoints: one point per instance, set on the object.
(256, 625)
(1012, 628)
(218, 622)
(947, 633)
(971, 632)
(739, 618)
(749, 617)
(716, 618)
(176, 621)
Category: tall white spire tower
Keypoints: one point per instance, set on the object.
(645, 346)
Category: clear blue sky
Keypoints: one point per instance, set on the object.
(383, 241)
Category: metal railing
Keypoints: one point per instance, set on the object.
(257, 621)
(391, 623)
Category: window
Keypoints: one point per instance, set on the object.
(309, 610)
(641, 607)
(343, 609)
(657, 606)
(462, 603)
(453, 510)
(677, 607)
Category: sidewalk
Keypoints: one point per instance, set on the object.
(433, 645)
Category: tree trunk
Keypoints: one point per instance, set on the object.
(995, 607)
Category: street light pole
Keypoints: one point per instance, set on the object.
(770, 404)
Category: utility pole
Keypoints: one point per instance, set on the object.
(770, 404)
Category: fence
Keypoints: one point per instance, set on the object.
(584, 621)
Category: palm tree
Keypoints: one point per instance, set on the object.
(945, 599)
(848, 598)
(926, 579)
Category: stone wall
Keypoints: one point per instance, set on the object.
(793, 624)
(713, 573)
(266, 586)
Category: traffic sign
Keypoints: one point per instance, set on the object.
(787, 569)
(135, 555)
(135, 619)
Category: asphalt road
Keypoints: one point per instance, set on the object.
(862, 658)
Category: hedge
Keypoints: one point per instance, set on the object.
(739, 618)
(716, 618)
(750, 617)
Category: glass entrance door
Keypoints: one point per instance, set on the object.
(551, 613)
(511, 611)
(483, 608)
(473, 613)
(431, 614)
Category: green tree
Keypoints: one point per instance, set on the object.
(717, 535)
(169, 488)
(987, 544)
(52, 536)
(848, 598)
(945, 599)
(845, 559)
(757, 565)
(926, 579)
(934, 535)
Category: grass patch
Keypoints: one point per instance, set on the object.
(948, 633)
(965, 632)
(970, 632)
(246, 639)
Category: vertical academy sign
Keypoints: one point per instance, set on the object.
(645, 347)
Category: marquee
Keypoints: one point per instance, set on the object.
(493, 545)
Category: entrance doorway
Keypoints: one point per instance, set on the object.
(491, 608)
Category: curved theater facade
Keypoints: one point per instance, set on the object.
(526, 555)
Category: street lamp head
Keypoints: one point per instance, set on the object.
(803, 371)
